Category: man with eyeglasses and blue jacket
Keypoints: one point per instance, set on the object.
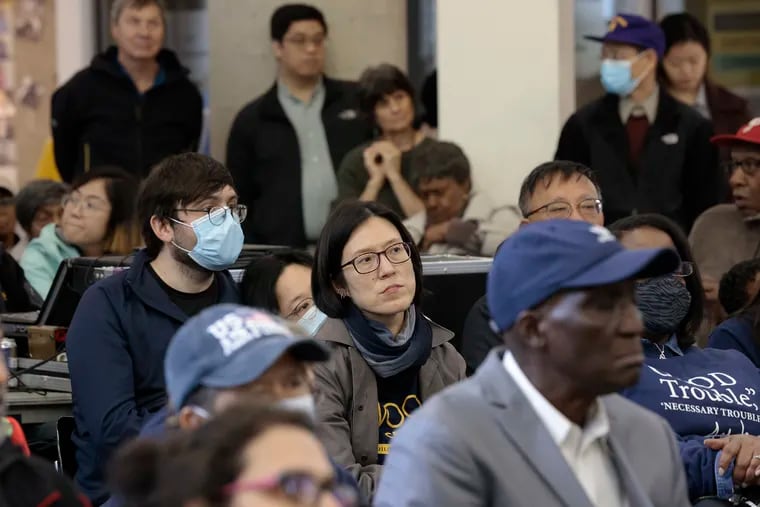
(119, 334)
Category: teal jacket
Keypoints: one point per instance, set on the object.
(42, 257)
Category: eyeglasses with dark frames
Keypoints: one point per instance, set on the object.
(217, 214)
(398, 253)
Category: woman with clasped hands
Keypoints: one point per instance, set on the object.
(385, 170)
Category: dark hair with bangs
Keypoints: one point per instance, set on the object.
(261, 275)
(378, 82)
(687, 329)
(342, 223)
(177, 181)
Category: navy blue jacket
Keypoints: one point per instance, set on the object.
(702, 393)
(116, 345)
(736, 333)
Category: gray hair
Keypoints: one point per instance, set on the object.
(118, 6)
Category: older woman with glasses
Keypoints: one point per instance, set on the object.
(97, 219)
(710, 397)
(387, 357)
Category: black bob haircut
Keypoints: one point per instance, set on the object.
(327, 273)
(545, 172)
(288, 14)
(687, 329)
(261, 275)
(378, 82)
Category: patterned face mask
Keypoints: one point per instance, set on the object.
(664, 302)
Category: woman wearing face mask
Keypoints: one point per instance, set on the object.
(97, 219)
(387, 357)
(281, 283)
(710, 397)
(683, 72)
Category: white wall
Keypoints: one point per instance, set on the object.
(505, 85)
(74, 36)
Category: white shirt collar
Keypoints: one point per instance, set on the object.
(561, 429)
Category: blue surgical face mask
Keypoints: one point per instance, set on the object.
(616, 76)
(217, 247)
(312, 320)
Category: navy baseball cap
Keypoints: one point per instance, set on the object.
(229, 346)
(542, 258)
(635, 31)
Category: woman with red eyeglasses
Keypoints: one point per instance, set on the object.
(246, 457)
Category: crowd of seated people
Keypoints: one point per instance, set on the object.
(319, 379)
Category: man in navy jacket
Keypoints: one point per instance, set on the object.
(118, 337)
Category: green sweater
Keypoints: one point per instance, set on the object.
(42, 257)
(353, 176)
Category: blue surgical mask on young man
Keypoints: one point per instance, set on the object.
(312, 320)
(617, 76)
(217, 247)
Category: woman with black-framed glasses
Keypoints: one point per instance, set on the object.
(387, 357)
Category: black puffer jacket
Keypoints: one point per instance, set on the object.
(99, 117)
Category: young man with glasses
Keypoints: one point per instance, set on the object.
(190, 219)
(727, 234)
(650, 152)
(285, 146)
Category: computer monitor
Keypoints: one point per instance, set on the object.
(79, 273)
(452, 284)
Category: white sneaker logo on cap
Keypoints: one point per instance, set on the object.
(754, 122)
(603, 235)
(233, 331)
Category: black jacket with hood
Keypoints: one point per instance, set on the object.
(99, 117)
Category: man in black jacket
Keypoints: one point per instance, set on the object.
(649, 152)
(285, 146)
(133, 106)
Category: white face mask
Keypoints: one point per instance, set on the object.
(312, 320)
(303, 404)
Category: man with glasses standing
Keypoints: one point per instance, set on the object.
(727, 234)
(190, 218)
(650, 153)
(285, 146)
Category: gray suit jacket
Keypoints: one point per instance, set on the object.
(479, 443)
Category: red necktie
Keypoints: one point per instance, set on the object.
(636, 128)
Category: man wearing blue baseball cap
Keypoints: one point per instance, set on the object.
(538, 423)
(650, 152)
(229, 355)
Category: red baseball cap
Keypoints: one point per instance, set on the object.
(749, 133)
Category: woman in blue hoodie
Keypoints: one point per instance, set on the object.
(710, 397)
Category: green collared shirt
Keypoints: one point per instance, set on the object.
(318, 184)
